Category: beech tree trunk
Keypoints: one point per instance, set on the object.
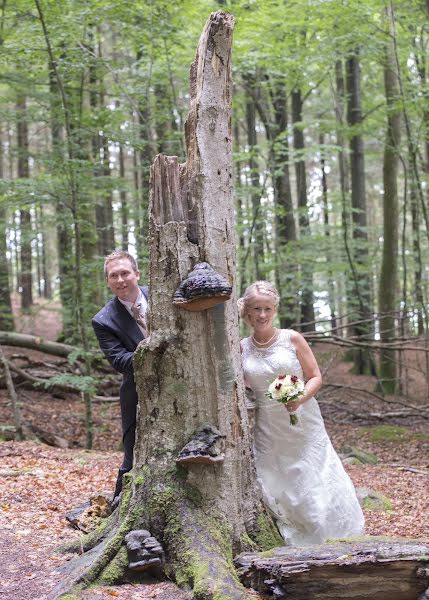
(286, 233)
(307, 300)
(25, 216)
(188, 371)
(255, 194)
(362, 283)
(389, 266)
(6, 315)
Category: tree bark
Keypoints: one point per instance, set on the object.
(25, 215)
(389, 266)
(34, 342)
(6, 315)
(363, 570)
(257, 240)
(307, 301)
(286, 230)
(327, 233)
(65, 251)
(123, 198)
(188, 371)
(362, 283)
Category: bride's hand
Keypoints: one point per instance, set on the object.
(293, 405)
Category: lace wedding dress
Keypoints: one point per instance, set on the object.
(302, 478)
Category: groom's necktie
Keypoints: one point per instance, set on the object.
(138, 314)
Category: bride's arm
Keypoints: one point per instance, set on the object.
(310, 368)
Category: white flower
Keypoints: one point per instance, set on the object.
(288, 390)
(276, 393)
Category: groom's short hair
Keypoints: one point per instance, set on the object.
(120, 254)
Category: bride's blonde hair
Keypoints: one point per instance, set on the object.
(265, 288)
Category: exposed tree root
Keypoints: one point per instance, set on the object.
(197, 544)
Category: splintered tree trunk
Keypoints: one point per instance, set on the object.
(188, 372)
(188, 369)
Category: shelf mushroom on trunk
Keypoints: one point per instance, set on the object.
(203, 288)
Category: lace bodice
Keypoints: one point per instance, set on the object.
(262, 365)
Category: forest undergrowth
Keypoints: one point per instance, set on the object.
(39, 483)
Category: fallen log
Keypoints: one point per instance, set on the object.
(35, 342)
(374, 569)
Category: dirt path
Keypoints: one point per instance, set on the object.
(38, 485)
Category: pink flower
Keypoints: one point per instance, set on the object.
(294, 379)
(281, 377)
(278, 386)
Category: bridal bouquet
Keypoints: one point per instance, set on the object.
(284, 389)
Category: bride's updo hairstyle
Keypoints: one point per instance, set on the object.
(265, 288)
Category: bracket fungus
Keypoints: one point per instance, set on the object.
(206, 447)
(202, 289)
(144, 551)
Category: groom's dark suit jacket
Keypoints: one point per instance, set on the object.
(119, 335)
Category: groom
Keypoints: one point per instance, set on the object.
(119, 326)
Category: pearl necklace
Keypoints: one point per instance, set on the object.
(267, 342)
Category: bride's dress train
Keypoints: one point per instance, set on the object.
(302, 478)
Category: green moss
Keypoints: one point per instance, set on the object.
(139, 480)
(126, 496)
(378, 502)
(87, 541)
(247, 544)
(115, 570)
(193, 494)
(267, 535)
(365, 538)
(387, 433)
(139, 357)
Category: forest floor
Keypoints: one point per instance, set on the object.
(39, 483)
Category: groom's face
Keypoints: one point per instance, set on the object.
(122, 279)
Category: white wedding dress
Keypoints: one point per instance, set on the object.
(302, 478)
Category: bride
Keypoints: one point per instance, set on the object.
(302, 478)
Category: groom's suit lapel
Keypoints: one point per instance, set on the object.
(125, 323)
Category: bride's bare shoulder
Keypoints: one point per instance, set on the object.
(296, 339)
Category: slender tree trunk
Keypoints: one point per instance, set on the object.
(417, 254)
(77, 216)
(145, 156)
(343, 166)
(47, 285)
(108, 235)
(25, 215)
(62, 213)
(307, 300)
(362, 282)
(327, 232)
(255, 194)
(286, 233)
(201, 512)
(242, 270)
(389, 266)
(16, 407)
(123, 197)
(38, 253)
(6, 315)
